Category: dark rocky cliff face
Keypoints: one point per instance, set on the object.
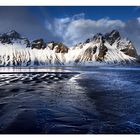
(130, 50)
(61, 48)
(38, 44)
(112, 36)
(13, 37)
(102, 52)
(58, 47)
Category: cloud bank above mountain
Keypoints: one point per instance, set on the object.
(75, 29)
(71, 25)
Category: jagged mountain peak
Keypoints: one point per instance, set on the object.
(106, 47)
(97, 35)
(114, 33)
(13, 37)
(109, 37)
(102, 48)
(112, 36)
(13, 34)
(96, 38)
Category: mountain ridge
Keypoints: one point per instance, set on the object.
(101, 48)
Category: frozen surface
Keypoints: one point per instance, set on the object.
(70, 100)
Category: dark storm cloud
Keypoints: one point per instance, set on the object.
(23, 21)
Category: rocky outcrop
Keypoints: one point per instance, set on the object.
(129, 50)
(5, 39)
(108, 48)
(98, 38)
(9, 37)
(61, 48)
(58, 47)
(124, 46)
(102, 52)
(38, 44)
(87, 55)
(109, 37)
(89, 52)
(112, 36)
(13, 37)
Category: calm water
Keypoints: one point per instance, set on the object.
(80, 100)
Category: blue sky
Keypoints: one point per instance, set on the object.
(71, 24)
(95, 12)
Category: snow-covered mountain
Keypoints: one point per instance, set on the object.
(16, 50)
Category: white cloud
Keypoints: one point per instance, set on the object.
(132, 31)
(75, 29)
(48, 25)
(138, 19)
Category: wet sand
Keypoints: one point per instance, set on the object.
(74, 101)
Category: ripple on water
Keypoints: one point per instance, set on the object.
(99, 101)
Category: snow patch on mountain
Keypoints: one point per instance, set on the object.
(100, 49)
